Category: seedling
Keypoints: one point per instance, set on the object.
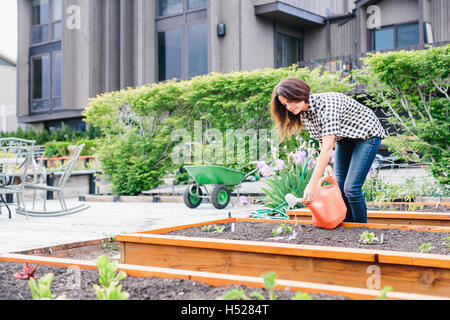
(368, 237)
(41, 290)
(206, 228)
(384, 292)
(113, 292)
(110, 244)
(219, 229)
(446, 242)
(281, 229)
(234, 294)
(426, 247)
(269, 284)
(109, 288)
(28, 272)
(302, 296)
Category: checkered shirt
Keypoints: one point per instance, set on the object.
(337, 114)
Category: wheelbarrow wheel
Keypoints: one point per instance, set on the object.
(190, 200)
(220, 197)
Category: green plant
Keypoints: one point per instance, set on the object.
(446, 242)
(207, 228)
(426, 247)
(269, 284)
(281, 229)
(234, 294)
(287, 179)
(110, 245)
(302, 296)
(113, 292)
(41, 289)
(384, 292)
(413, 87)
(219, 228)
(109, 288)
(368, 237)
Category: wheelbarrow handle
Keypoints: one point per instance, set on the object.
(248, 164)
(250, 173)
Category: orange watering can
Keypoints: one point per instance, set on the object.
(327, 206)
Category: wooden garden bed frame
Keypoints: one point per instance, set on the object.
(217, 280)
(389, 217)
(418, 273)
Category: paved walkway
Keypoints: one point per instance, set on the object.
(101, 220)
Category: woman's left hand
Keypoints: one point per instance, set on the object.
(308, 194)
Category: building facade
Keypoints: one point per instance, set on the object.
(8, 117)
(72, 50)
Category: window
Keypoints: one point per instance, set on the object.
(169, 7)
(393, 37)
(182, 36)
(196, 4)
(198, 49)
(40, 83)
(174, 7)
(75, 124)
(170, 52)
(289, 50)
(408, 35)
(46, 21)
(46, 82)
(384, 39)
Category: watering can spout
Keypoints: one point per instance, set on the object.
(291, 200)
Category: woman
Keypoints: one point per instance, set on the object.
(331, 118)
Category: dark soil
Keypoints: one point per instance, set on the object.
(412, 208)
(393, 239)
(65, 283)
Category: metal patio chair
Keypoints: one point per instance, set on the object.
(58, 189)
(15, 160)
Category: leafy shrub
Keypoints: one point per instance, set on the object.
(56, 149)
(412, 86)
(42, 136)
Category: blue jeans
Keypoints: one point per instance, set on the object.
(352, 162)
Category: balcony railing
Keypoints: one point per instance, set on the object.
(347, 63)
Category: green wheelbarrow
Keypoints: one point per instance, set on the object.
(223, 180)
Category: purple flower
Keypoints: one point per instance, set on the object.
(243, 201)
(333, 154)
(261, 164)
(299, 157)
(280, 165)
(265, 171)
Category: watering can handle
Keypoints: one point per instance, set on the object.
(330, 179)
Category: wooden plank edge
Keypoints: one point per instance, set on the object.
(324, 252)
(386, 215)
(352, 254)
(216, 279)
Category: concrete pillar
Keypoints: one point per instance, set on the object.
(127, 44)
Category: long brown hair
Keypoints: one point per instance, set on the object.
(294, 90)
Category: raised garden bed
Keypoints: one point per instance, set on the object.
(389, 217)
(345, 263)
(149, 283)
